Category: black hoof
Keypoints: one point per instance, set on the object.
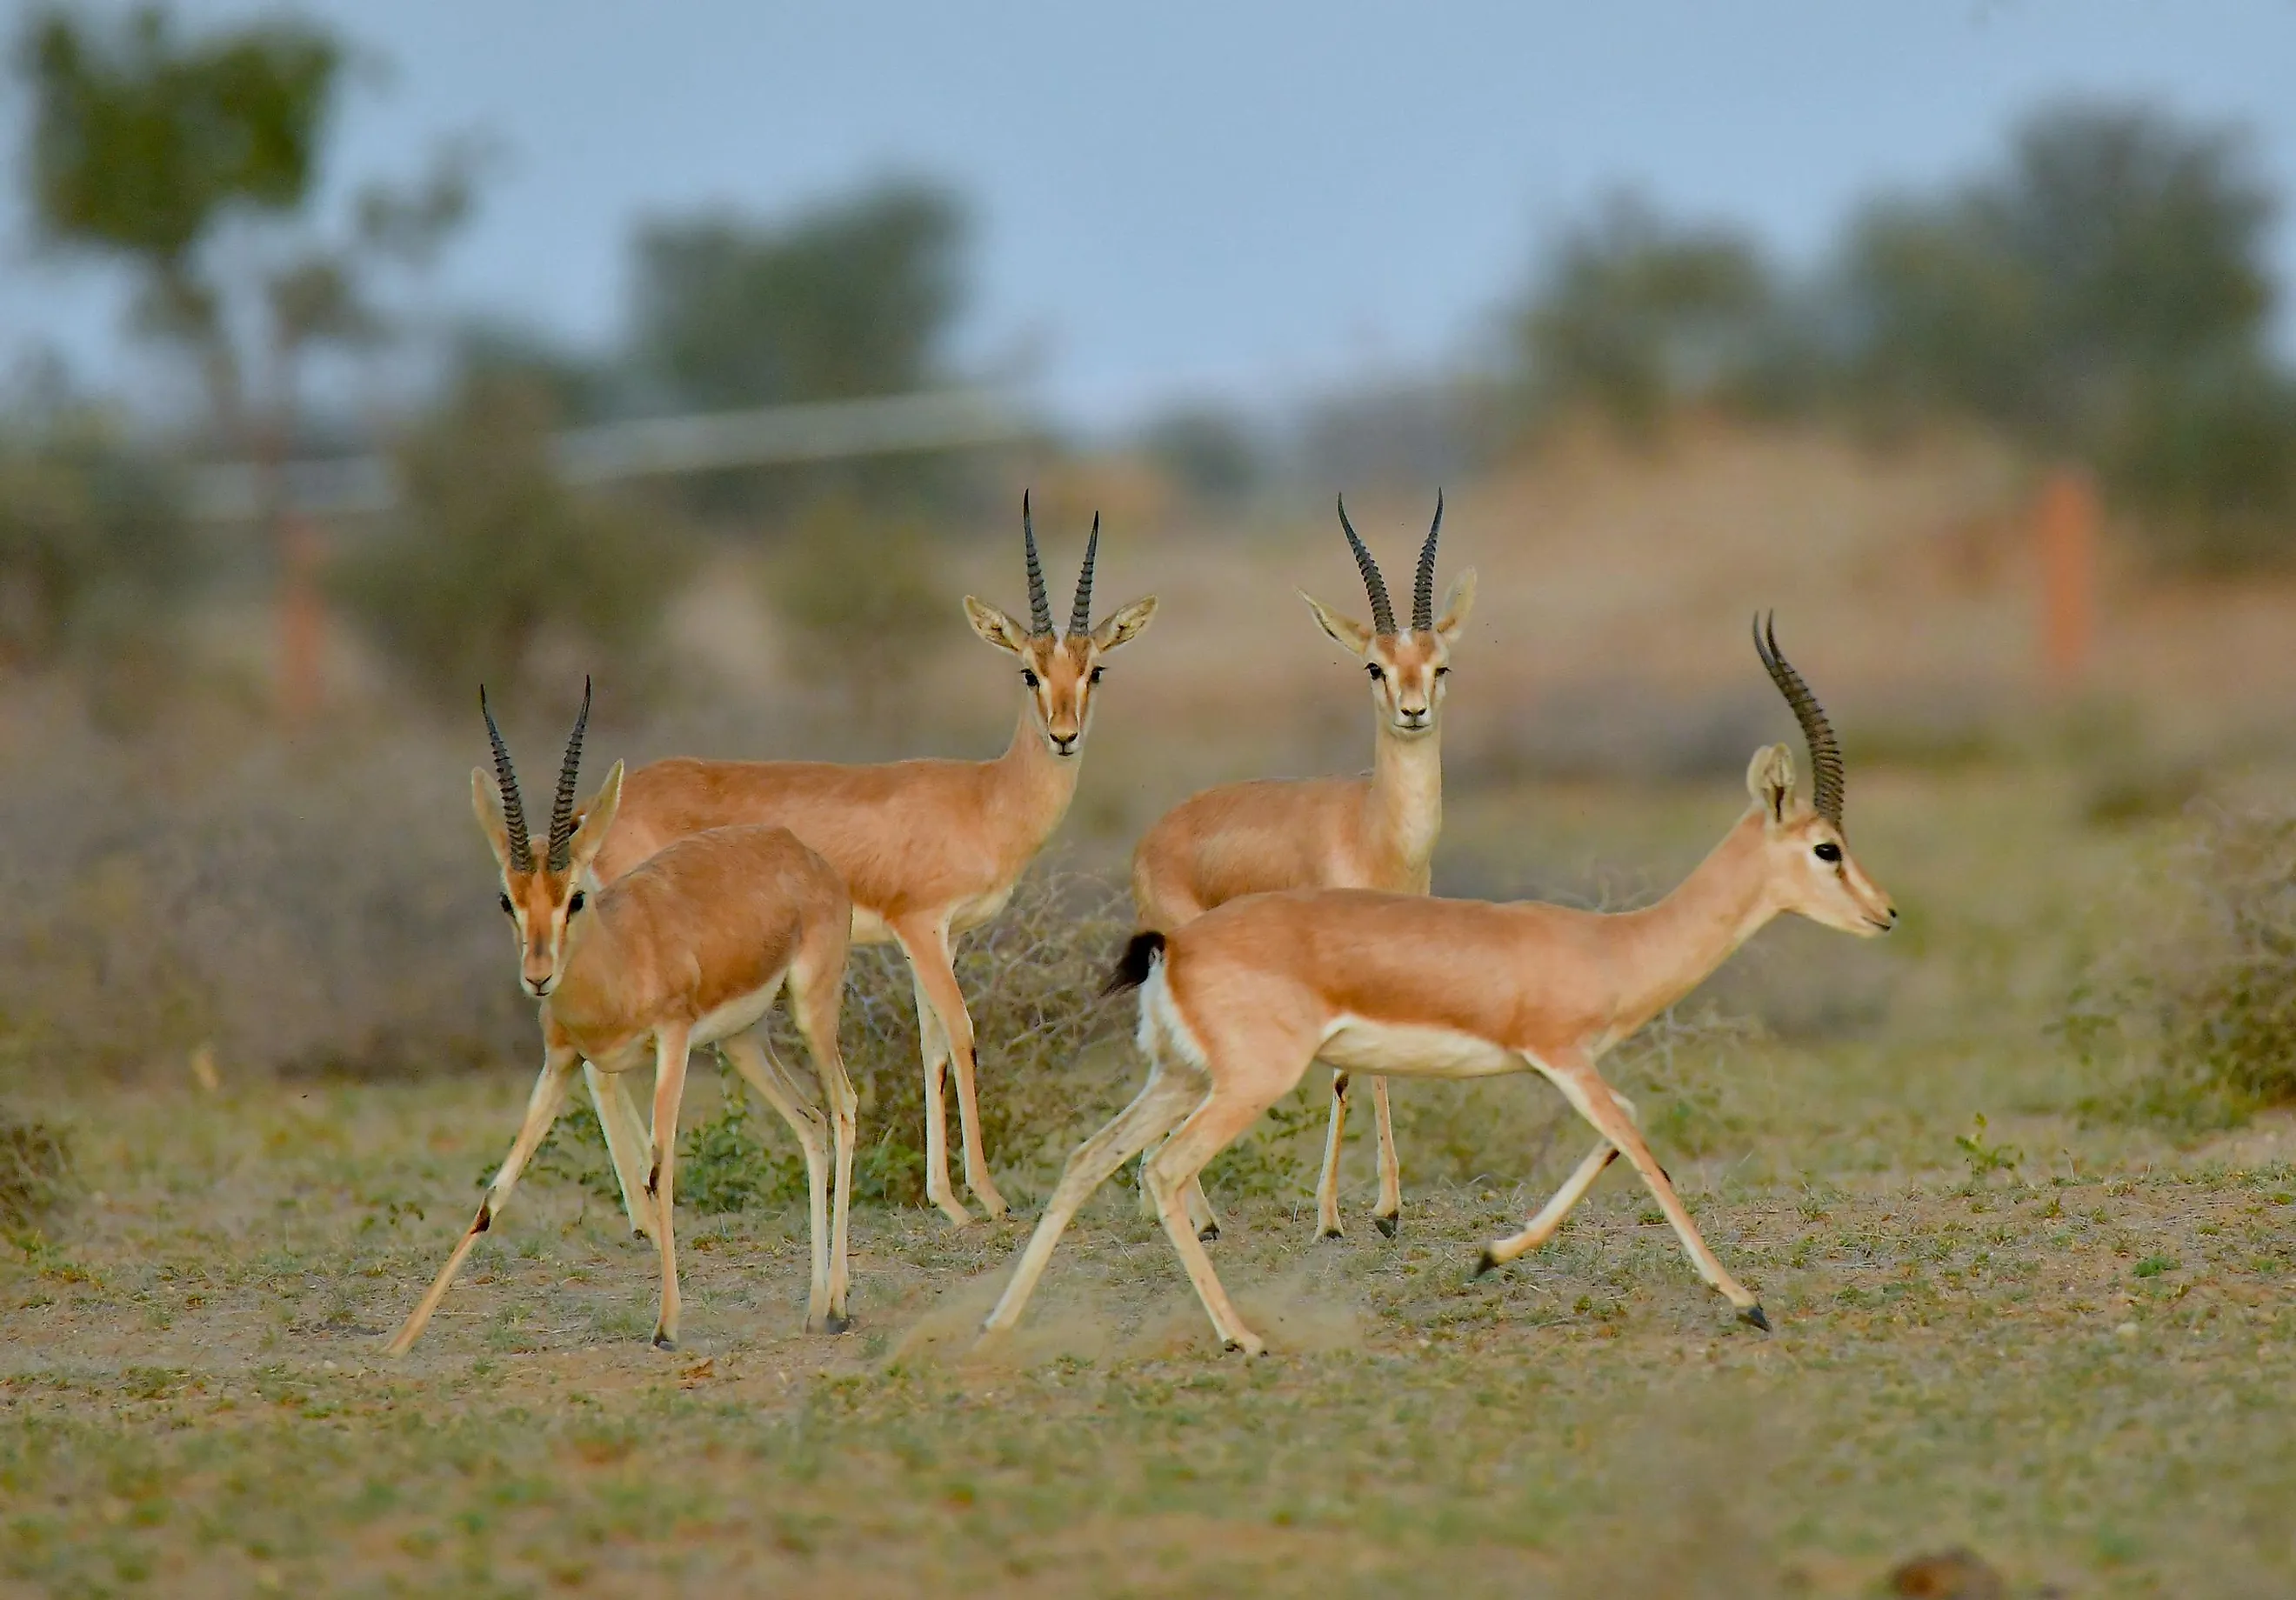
(1487, 1261)
(663, 1341)
(1753, 1314)
(1387, 1225)
(1230, 1347)
(836, 1322)
(1331, 1233)
(1209, 1232)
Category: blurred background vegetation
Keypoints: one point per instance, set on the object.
(387, 499)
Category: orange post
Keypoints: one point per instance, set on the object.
(302, 619)
(2065, 526)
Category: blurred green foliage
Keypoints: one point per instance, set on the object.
(857, 298)
(860, 597)
(491, 551)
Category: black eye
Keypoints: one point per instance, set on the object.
(1377, 676)
(1442, 672)
(505, 905)
(1095, 675)
(576, 904)
(1028, 677)
(1827, 851)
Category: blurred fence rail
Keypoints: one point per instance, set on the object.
(772, 436)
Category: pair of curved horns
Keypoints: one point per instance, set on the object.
(1040, 607)
(1825, 751)
(560, 851)
(1423, 592)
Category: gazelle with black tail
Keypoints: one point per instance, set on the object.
(928, 848)
(690, 947)
(1235, 1005)
(1375, 832)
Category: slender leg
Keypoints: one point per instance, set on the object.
(1327, 1187)
(542, 1108)
(1542, 1227)
(669, 1053)
(753, 1057)
(1163, 1102)
(625, 1141)
(1595, 1101)
(816, 992)
(1210, 1129)
(928, 951)
(932, 1043)
(1387, 1215)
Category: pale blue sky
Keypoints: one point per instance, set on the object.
(1220, 199)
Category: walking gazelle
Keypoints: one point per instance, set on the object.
(691, 948)
(1376, 832)
(1235, 1005)
(928, 849)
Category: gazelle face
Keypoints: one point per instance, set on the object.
(546, 907)
(1408, 671)
(1060, 671)
(1811, 869)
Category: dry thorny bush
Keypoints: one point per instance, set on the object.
(2197, 1013)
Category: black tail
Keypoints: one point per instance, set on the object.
(1133, 967)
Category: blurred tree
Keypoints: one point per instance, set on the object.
(492, 551)
(1633, 315)
(2105, 295)
(854, 298)
(1210, 450)
(861, 597)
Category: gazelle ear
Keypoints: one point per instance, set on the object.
(597, 822)
(995, 625)
(487, 805)
(1125, 626)
(1346, 631)
(1770, 780)
(1453, 622)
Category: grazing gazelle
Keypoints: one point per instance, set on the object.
(689, 948)
(1362, 833)
(1234, 1006)
(928, 849)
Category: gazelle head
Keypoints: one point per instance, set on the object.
(1059, 671)
(1811, 869)
(544, 897)
(1406, 670)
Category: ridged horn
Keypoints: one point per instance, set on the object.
(1041, 609)
(521, 851)
(1080, 613)
(562, 808)
(1423, 592)
(1383, 614)
(1826, 772)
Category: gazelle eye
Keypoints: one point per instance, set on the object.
(1097, 671)
(1442, 672)
(1377, 676)
(1826, 851)
(576, 902)
(505, 905)
(1028, 677)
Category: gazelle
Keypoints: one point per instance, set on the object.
(691, 948)
(928, 848)
(1234, 1006)
(1362, 833)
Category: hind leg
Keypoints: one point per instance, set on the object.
(1388, 1214)
(1213, 1125)
(816, 989)
(1163, 1102)
(753, 1057)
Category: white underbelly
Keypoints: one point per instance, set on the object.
(742, 1012)
(1413, 1050)
(869, 928)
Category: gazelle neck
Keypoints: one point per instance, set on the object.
(1036, 784)
(1407, 797)
(1678, 942)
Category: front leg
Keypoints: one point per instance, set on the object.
(670, 1054)
(928, 956)
(1387, 1215)
(542, 1108)
(625, 1142)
